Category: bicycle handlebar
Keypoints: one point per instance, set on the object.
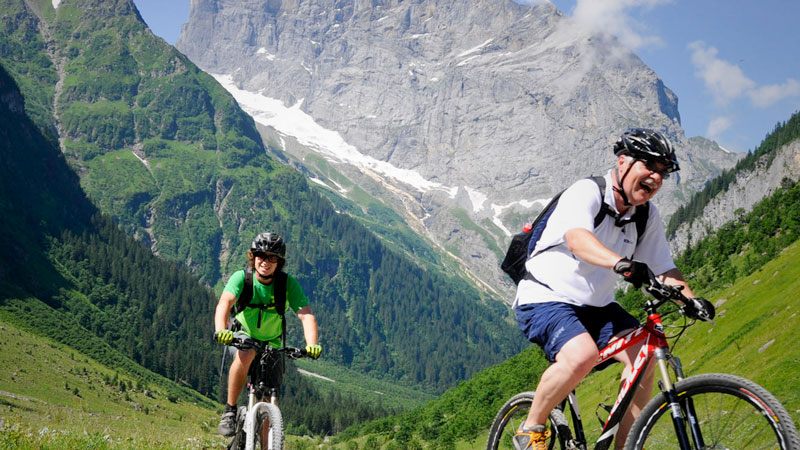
(663, 292)
(244, 342)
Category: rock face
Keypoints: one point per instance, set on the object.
(747, 190)
(468, 114)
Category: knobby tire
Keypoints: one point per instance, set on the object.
(275, 433)
(732, 412)
(513, 414)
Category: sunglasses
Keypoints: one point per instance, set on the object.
(267, 257)
(653, 166)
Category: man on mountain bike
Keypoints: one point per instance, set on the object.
(259, 320)
(566, 303)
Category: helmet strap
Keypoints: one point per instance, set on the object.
(621, 189)
(267, 279)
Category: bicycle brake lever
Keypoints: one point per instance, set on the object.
(296, 353)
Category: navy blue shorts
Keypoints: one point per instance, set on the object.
(552, 324)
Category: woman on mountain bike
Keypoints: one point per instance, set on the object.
(565, 303)
(259, 318)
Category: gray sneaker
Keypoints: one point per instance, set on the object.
(227, 425)
(531, 438)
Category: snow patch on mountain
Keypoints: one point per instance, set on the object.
(476, 48)
(294, 122)
(527, 204)
(476, 198)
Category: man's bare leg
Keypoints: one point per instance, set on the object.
(237, 375)
(573, 362)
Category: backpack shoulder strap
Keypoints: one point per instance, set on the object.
(605, 209)
(537, 227)
(247, 291)
(544, 216)
(601, 184)
(640, 218)
(279, 292)
(279, 295)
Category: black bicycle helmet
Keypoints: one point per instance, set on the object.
(269, 243)
(644, 143)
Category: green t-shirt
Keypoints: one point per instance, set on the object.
(270, 329)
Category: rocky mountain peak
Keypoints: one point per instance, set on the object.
(486, 108)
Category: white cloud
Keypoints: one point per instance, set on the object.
(766, 96)
(614, 17)
(717, 126)
(592, 18)
(726, 81)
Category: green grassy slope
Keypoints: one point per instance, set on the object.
(64, 399)
(333, 379)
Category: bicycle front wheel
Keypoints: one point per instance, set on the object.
(718, 411)
(512, 415)
(269, 416)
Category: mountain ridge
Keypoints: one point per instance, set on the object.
(162, 149)
(471, 98)
(775, 163)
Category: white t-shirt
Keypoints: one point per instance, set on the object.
(570, 280)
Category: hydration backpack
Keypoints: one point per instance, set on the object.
(279, 296)
(524, 243)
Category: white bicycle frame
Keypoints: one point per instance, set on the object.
(254, 406)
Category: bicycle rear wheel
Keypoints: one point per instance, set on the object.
(513, 414)
(731, 412)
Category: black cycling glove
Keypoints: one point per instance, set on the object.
(634, 272)
(699, 308)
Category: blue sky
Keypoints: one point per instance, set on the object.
(734, 64)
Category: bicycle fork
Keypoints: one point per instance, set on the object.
(251, 420)
(681, 410)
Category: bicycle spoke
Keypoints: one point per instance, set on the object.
(515, 421)
(726, 421)
(733, 419)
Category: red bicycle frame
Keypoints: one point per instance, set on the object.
(650, 336)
